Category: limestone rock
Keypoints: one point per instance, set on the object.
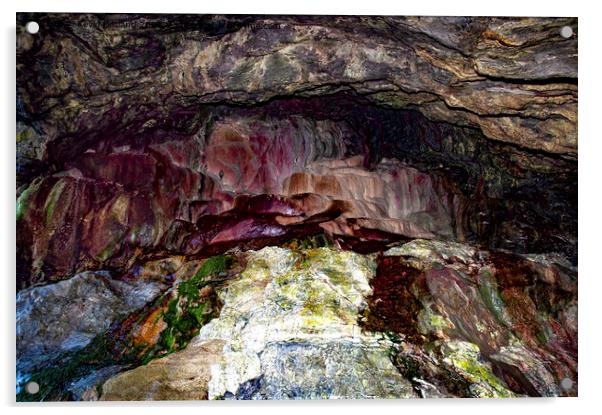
(325, 323)
(284, 308)
(333, 370)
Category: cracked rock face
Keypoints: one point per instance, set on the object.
(296, 207)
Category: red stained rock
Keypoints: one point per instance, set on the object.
(108, 209)
(520, 311)
(130, 170)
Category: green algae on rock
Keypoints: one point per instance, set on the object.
(293, 320)
(193, 306)
(465, 358)
(284, 307)
(116, 333)
(315, 323)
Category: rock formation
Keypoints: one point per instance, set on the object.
(296, 207)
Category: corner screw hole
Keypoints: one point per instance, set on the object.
(32, 388)
(566, 384)
(32, 27)
(566, 32)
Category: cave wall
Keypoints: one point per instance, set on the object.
(450, 128)
(202, 200)
(243, 175)
(335, 164)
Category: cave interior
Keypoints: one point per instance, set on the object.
(149, 158)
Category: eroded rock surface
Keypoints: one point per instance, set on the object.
(111, 210)
(515, 79)
(184, 378)
(127, 139)
(98, 326)
(430, 319)
(288, 328)
(504, 305)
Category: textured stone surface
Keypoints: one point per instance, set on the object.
(85, 389)
(63, 317)
(117, 201)
(105, 210)
(392, 198)
(319, 323)
(184, 378)
(428, 319)
(519, 313)
(513, 78)
(287, 307)
(171, 125)
(333, 370)
(115, 333)
(430, 249)
(296, 207)
(104, 214)
(282, 297)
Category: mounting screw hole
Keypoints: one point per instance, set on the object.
(566, 384)
(32, 27)
(566, 32)
(32, 388)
